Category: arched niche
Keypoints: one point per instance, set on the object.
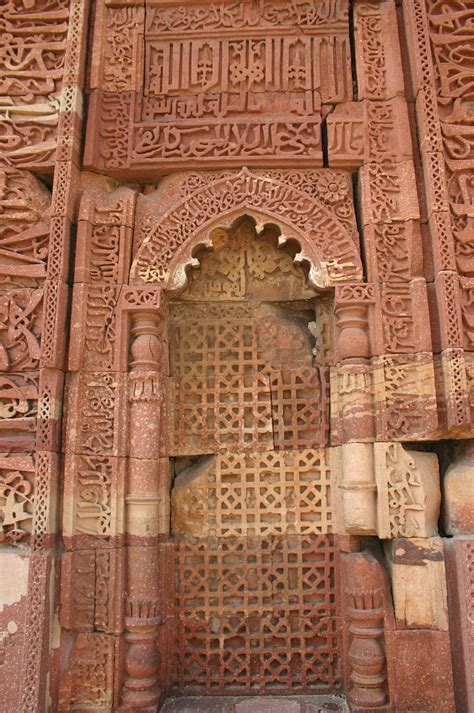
(247, 440)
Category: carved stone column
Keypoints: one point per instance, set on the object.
(352, 312)
(365, 599)
(142, 609)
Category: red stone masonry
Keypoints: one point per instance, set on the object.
(236, 354)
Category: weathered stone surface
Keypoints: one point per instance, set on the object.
(460, 577)
(422, 673)
(418, 580)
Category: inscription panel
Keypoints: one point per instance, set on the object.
(220, 82)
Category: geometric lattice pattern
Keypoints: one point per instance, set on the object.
(226, 397)
(221, 400)
(256, 615)
(271, 493)
(298, 407)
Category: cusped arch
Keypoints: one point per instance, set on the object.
(170, 241)
(187, 256)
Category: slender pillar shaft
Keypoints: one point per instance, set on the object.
(143, 607)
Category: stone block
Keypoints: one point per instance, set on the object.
(111, 36)
(45, 511)
(404, 317)
(96, 422)
(422, 677)
(446, 312)
(22, 312)
(388, 192)
(352, 402)
(59, 249)
(466, 293)
(405, 397)
(93, 501)
(147, 504)
(418, 581)
(254, 495)
(53, 337)
(17, 497)
(92, 586)
(104, 236)
(82, 653)
(93, 336)
(368, 131)
(18, 410)
(428, 122)
(353, 470)
(48, 423)
(455, 390)
(408, 492)
(393, 251)
(435, 182)
(14, 568)
(377, 48)
(460, 577)
(443, 248)
(66, 184)
(458, 491)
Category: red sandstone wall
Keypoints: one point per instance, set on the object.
(90, 238)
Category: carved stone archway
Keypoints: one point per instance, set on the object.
(120, 398)
(269, 415)
(314, 212)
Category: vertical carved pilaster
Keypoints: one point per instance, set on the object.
(142, 618)
(365, 598)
